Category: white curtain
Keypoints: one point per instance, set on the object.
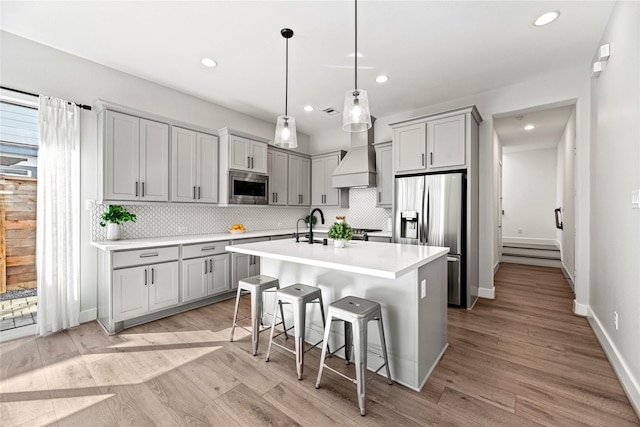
(58, 216)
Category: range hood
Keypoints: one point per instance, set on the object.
(358, 167)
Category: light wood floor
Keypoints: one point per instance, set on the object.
(522, 359)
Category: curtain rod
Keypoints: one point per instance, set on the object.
(84, 107)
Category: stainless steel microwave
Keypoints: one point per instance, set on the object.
(248, 188)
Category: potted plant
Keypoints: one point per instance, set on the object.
(112, 219)
(340, 232)
(313, 219)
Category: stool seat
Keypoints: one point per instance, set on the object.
(354, 307)
(298, 295)
(356, 313)
(259, 282)
(255, 285)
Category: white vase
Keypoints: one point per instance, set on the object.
(113, 231)
(340, 243)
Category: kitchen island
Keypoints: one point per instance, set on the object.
(409, 282)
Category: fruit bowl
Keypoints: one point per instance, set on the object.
(237, 231)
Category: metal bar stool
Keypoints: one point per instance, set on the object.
(255, 285)
(298, 295)
(356, 313)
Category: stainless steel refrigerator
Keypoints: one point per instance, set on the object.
(430, 210)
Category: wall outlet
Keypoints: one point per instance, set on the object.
(635, 199)
(519, 230)
(89, 204)
(615, 319)
(423, 288)
(183, 230)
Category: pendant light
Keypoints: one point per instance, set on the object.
(286, 136)
(356, 116)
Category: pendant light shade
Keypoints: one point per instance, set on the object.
(356, 116)
(286, 136)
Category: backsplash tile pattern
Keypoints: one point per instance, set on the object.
(362, 211)
(161, 220)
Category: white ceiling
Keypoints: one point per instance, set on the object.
(549, 125)
(433, 51)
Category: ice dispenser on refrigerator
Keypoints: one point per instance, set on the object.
(409, 225)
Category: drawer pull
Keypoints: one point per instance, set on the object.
(149, 255)
(208, 248)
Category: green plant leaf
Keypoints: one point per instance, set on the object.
(116, 214)
(340, 231)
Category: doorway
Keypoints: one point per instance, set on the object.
(536, 178)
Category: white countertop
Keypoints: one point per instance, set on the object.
(387, 260)
(150, 242)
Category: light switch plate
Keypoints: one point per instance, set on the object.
(423, 290)
(635, 199)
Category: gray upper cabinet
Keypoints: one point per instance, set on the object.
(299, 181)
(384, 176)
(433, 143)
(446, 142)
(194, 166)
(277, 167)
(322, 193)
(135, 158)
(247, 155)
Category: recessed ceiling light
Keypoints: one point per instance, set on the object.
(208, 62)
(529, 127)
(547, 18)
(382, 79)
(308, 108)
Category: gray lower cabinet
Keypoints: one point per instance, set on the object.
(207, 275)
(243, 266)
(140, 287)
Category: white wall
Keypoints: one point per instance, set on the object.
(497, 191)
(529, 195)
(615, 172)
(565, 195)
(562, 87)
(33, 67)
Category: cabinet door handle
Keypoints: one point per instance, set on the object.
(210, 265)
(431, 158)
(149, 255)
(199, 190)
(205, 266)
(252, 163)
(422, 159)
(379, 196)
(146, 273)
(142, 188)
(136, 188)
(194, 192)
(153, 276)
(248, 162)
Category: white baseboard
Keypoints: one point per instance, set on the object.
(14, 334)
(580, 309)
(88, 315)
(532, 240)
(629, 384)
(496, 267)
(487, 293)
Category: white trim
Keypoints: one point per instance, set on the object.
(496, 267)
(569, 277)
(629, 383)
(88, 315)
(580, 309)
(428, 373)
(530, 240)
(21, 332)
(487, 293)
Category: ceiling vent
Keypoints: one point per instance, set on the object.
(331, 111)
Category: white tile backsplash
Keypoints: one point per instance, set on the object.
(166, 219)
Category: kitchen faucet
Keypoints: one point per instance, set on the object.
(297, 232)
(311, 223)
